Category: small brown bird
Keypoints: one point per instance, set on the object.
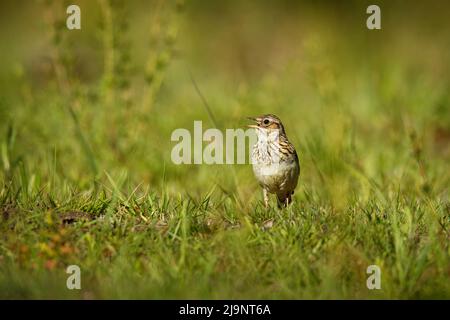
(275, 161)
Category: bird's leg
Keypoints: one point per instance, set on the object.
(266, 197)
(284, 201)
(288, 200)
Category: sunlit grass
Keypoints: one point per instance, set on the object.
(86, 176)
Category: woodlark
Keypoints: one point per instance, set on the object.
(274, 159)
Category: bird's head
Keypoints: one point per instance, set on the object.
(267, 124)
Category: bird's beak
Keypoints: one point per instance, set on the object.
(254, 120)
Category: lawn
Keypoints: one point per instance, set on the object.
(86, 176)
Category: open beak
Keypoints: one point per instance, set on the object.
(254, 120)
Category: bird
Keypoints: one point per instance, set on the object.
(274, 159)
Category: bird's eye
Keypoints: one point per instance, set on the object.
(266, 121)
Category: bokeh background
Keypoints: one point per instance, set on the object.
(92, 110)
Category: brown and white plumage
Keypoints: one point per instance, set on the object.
(275, 161)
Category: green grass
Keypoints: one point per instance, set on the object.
(86, 176)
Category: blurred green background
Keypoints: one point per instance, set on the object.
(89, 111)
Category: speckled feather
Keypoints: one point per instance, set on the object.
(275, 161)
